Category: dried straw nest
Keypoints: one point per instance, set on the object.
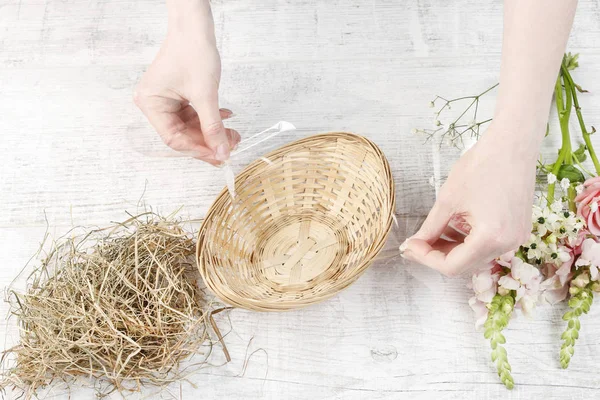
(121, 305)
(301, 227)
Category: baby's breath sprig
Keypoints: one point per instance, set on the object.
(580, 303)
(466, 123)
(499, 313)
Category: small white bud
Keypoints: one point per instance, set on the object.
(551, 178)
(431, 104)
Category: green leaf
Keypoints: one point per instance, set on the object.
(570, 61)
(568, 315)
(580, 153)
(570, 172)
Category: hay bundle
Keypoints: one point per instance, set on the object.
(121, 305)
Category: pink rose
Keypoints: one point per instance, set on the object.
(587, 205)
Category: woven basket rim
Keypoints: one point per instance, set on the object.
(258, 305)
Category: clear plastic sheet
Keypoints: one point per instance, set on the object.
(249, 143)
(255, 142)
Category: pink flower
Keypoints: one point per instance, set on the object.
(484, 284)
(525, 279)
(481, 311)
(506, 258)
(565, 270)
(576, 244)
(587, 204)
(556, 287)
(590, 256)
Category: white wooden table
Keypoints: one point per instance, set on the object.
(67, 71)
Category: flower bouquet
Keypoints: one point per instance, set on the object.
(561, 259)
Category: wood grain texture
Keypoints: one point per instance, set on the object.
(74, 149)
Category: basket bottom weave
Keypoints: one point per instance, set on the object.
(300, 250)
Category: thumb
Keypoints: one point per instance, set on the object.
(212, 128)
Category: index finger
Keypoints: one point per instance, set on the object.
(462, 257)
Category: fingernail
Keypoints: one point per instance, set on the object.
(228, 112)
(222, 153)
(404, 246)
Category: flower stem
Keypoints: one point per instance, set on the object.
(563, 107)
(584, 132)
(564, 114)
(555, 169)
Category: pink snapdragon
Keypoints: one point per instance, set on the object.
(555, 287)
(485, 285)
(590, 256)
(525, 279)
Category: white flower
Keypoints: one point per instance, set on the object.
(414, 131)
(537, 248)
(571, 226)
(579, 188)
(594, 207)
(557, 255)
(431, 104)
(544, 220)
(557, 206)
(437, 122)
(551, 178)
(565, 183)
(536, 213)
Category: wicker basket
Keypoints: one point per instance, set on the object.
(302, 227)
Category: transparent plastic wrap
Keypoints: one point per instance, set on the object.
(255, 142)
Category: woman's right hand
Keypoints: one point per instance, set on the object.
(179, 91)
